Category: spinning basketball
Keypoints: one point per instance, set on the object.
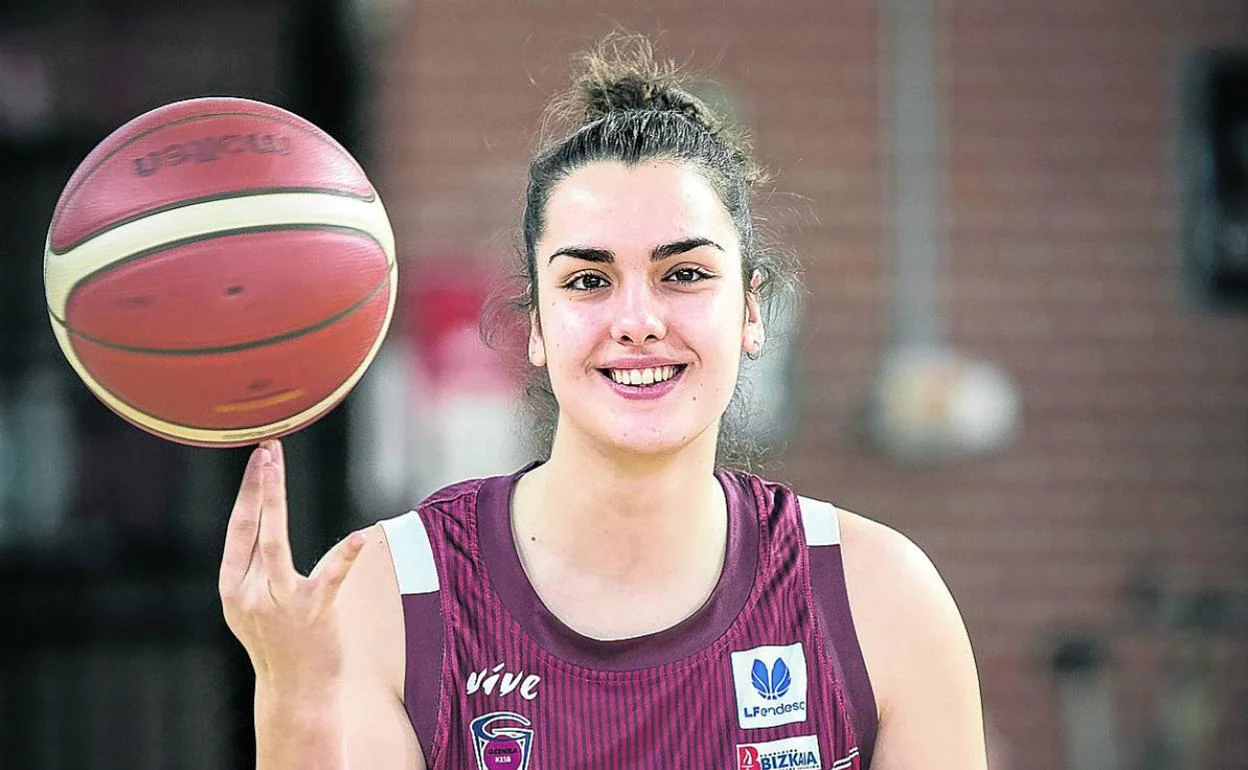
(220, 271)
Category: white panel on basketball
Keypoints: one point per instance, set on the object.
(821, 522)
(63, 271)
(411, 554)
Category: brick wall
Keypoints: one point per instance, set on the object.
(1062, 268)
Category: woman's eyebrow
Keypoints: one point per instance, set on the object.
(657, 254)
(583, 252)
(660, 253)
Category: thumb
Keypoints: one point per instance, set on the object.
(332, 569)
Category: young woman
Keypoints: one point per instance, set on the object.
(624, 603)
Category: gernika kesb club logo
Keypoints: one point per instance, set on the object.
(770, 685)
(502, 740)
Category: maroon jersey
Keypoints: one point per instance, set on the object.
(768, 674)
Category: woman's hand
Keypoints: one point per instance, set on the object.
(286, 622)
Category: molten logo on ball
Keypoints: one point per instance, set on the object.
(210, 148)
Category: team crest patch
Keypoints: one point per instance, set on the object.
(799, 753)
(770, 685)
(502, 740)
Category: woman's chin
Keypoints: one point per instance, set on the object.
(634, 439)
(657, 443)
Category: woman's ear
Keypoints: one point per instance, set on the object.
(537, 346)
(754, 334)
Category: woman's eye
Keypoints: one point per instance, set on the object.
(688, 275)
(586, 282)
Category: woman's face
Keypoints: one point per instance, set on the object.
(642, 316)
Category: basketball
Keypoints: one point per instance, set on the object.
(220, 271)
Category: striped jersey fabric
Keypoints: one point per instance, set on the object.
(768, 674)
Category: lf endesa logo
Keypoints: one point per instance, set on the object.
(770, 685)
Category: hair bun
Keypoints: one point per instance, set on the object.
(622, 74)
(632, 91)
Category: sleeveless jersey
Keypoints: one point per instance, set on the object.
(767, 674)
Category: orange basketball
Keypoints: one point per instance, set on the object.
(220, 271)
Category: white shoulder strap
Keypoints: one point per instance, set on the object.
(821, 522)
(411, 554)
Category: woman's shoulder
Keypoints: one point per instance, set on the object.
(877, 548)
(903, 611)
(371, 612)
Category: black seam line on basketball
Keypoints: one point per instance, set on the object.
(316, 327)
(286, 228)
(206, 199)
(228, 114)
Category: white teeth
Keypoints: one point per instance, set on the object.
(648, 376)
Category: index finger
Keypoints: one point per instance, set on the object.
(244, 524)
(274, 530)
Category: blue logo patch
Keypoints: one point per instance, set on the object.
(770, 685)
(775, 685)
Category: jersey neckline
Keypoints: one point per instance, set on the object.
(685, 639)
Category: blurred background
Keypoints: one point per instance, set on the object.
(1024, 342)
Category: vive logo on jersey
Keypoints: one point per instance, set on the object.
(502, 740)
(487, 679)
(770, 684)
(800, 753)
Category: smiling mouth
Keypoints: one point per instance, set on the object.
(643, 378)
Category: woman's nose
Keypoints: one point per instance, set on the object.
(638, 316)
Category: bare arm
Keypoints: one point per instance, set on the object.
(324, 700)
(917, 651)
(379, 734)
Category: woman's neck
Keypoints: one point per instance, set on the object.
(652, 526)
